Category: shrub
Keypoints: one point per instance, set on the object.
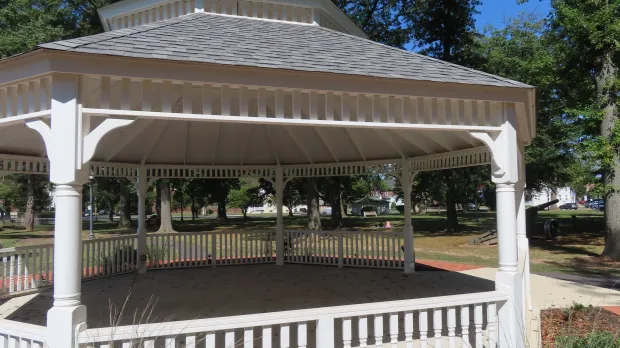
(400, 208)
(596, 339)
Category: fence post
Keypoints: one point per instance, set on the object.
(213, 250)
(340, 251)
(325, 331)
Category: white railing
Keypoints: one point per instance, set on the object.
(27, 268)
(377, 249)
(465, 320)
(181, 250)
(109, 256)
(14, 334)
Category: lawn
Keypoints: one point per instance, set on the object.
(576, 250)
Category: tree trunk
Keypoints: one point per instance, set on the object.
(608, 97)
(29, 213)
(312, 201)
(336, 202)
(125, 205)
(111, 213)
(290, 211)
(221, 210)
(165, 212)
(452, 222)
(194, 209)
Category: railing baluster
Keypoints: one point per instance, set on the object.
(409, 329)
(19, 271)
(4, 274)
(190, 341)
(362, 328)
(378, 330)
(302, 335)
(285, 338)
(170, 342)
(492, 324)
(437, 326)
(229, 339)
(451, 327)
(478, 324)
(210, 340)
(214, 249)
(423, 323)
(346, 332)
(248, 338)
(26, 264)
(267, 337)
(465, 326)
(394, 329)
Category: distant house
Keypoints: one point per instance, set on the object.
(563, 194)
(381, 205)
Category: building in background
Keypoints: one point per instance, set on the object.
(563, 194)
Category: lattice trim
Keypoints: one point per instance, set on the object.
(455, 159)
(23, 165)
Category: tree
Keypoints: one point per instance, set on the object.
(28, 194)
(124, 220)
(165, 211)
(312, 202)
(382, 20)
(588, 36)
(445, 29)
(525, 51)
(247, 195)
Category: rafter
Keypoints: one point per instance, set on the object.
(154, 140)
(301, 148)
(440, 142)
(269, 140)
(134, 132)
(217, 143)
(467, 138)
(245, 146)
(357, 146)
(319, 133)
(420, 146)
(383, 134)
(186, 144)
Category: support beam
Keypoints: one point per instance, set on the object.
(406, 182)
(142, 187)
(299, 146)
(279, 186)
(94, 137)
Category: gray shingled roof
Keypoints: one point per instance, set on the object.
(209, 38)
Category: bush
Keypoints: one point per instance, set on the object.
(46, 214)
(400, 208)
(596, 339)
(368, 208)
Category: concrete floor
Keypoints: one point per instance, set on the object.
(185, 294)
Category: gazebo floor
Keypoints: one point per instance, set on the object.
(185, 294)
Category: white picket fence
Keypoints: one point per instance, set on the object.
(468, 320)
(14, 334)
(345, 248)
(26, 269)
(182, 250)
(30, 268)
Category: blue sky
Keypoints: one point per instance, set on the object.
(496, 12)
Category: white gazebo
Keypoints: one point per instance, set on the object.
(268, 89)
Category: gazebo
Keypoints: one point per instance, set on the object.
(273, 90)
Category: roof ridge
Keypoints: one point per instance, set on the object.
(143, 28)
(500, 78)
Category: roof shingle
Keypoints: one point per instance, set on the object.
(242, 41)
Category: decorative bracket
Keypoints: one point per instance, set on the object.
(46, 133)
(93, 138)
(490, 142)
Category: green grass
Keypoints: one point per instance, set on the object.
(576, 250)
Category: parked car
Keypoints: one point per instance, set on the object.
(568, 206)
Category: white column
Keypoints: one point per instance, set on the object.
(142, 188)
(279, 186)
(506, 227)
(64, 142)
(406, 178)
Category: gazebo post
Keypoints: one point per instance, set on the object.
(523, 244)
(406, 178)
(68, 173)
(142, 188)
(279, 186)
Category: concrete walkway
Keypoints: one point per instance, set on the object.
(550, 292)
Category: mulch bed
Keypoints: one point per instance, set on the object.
(576, 321)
